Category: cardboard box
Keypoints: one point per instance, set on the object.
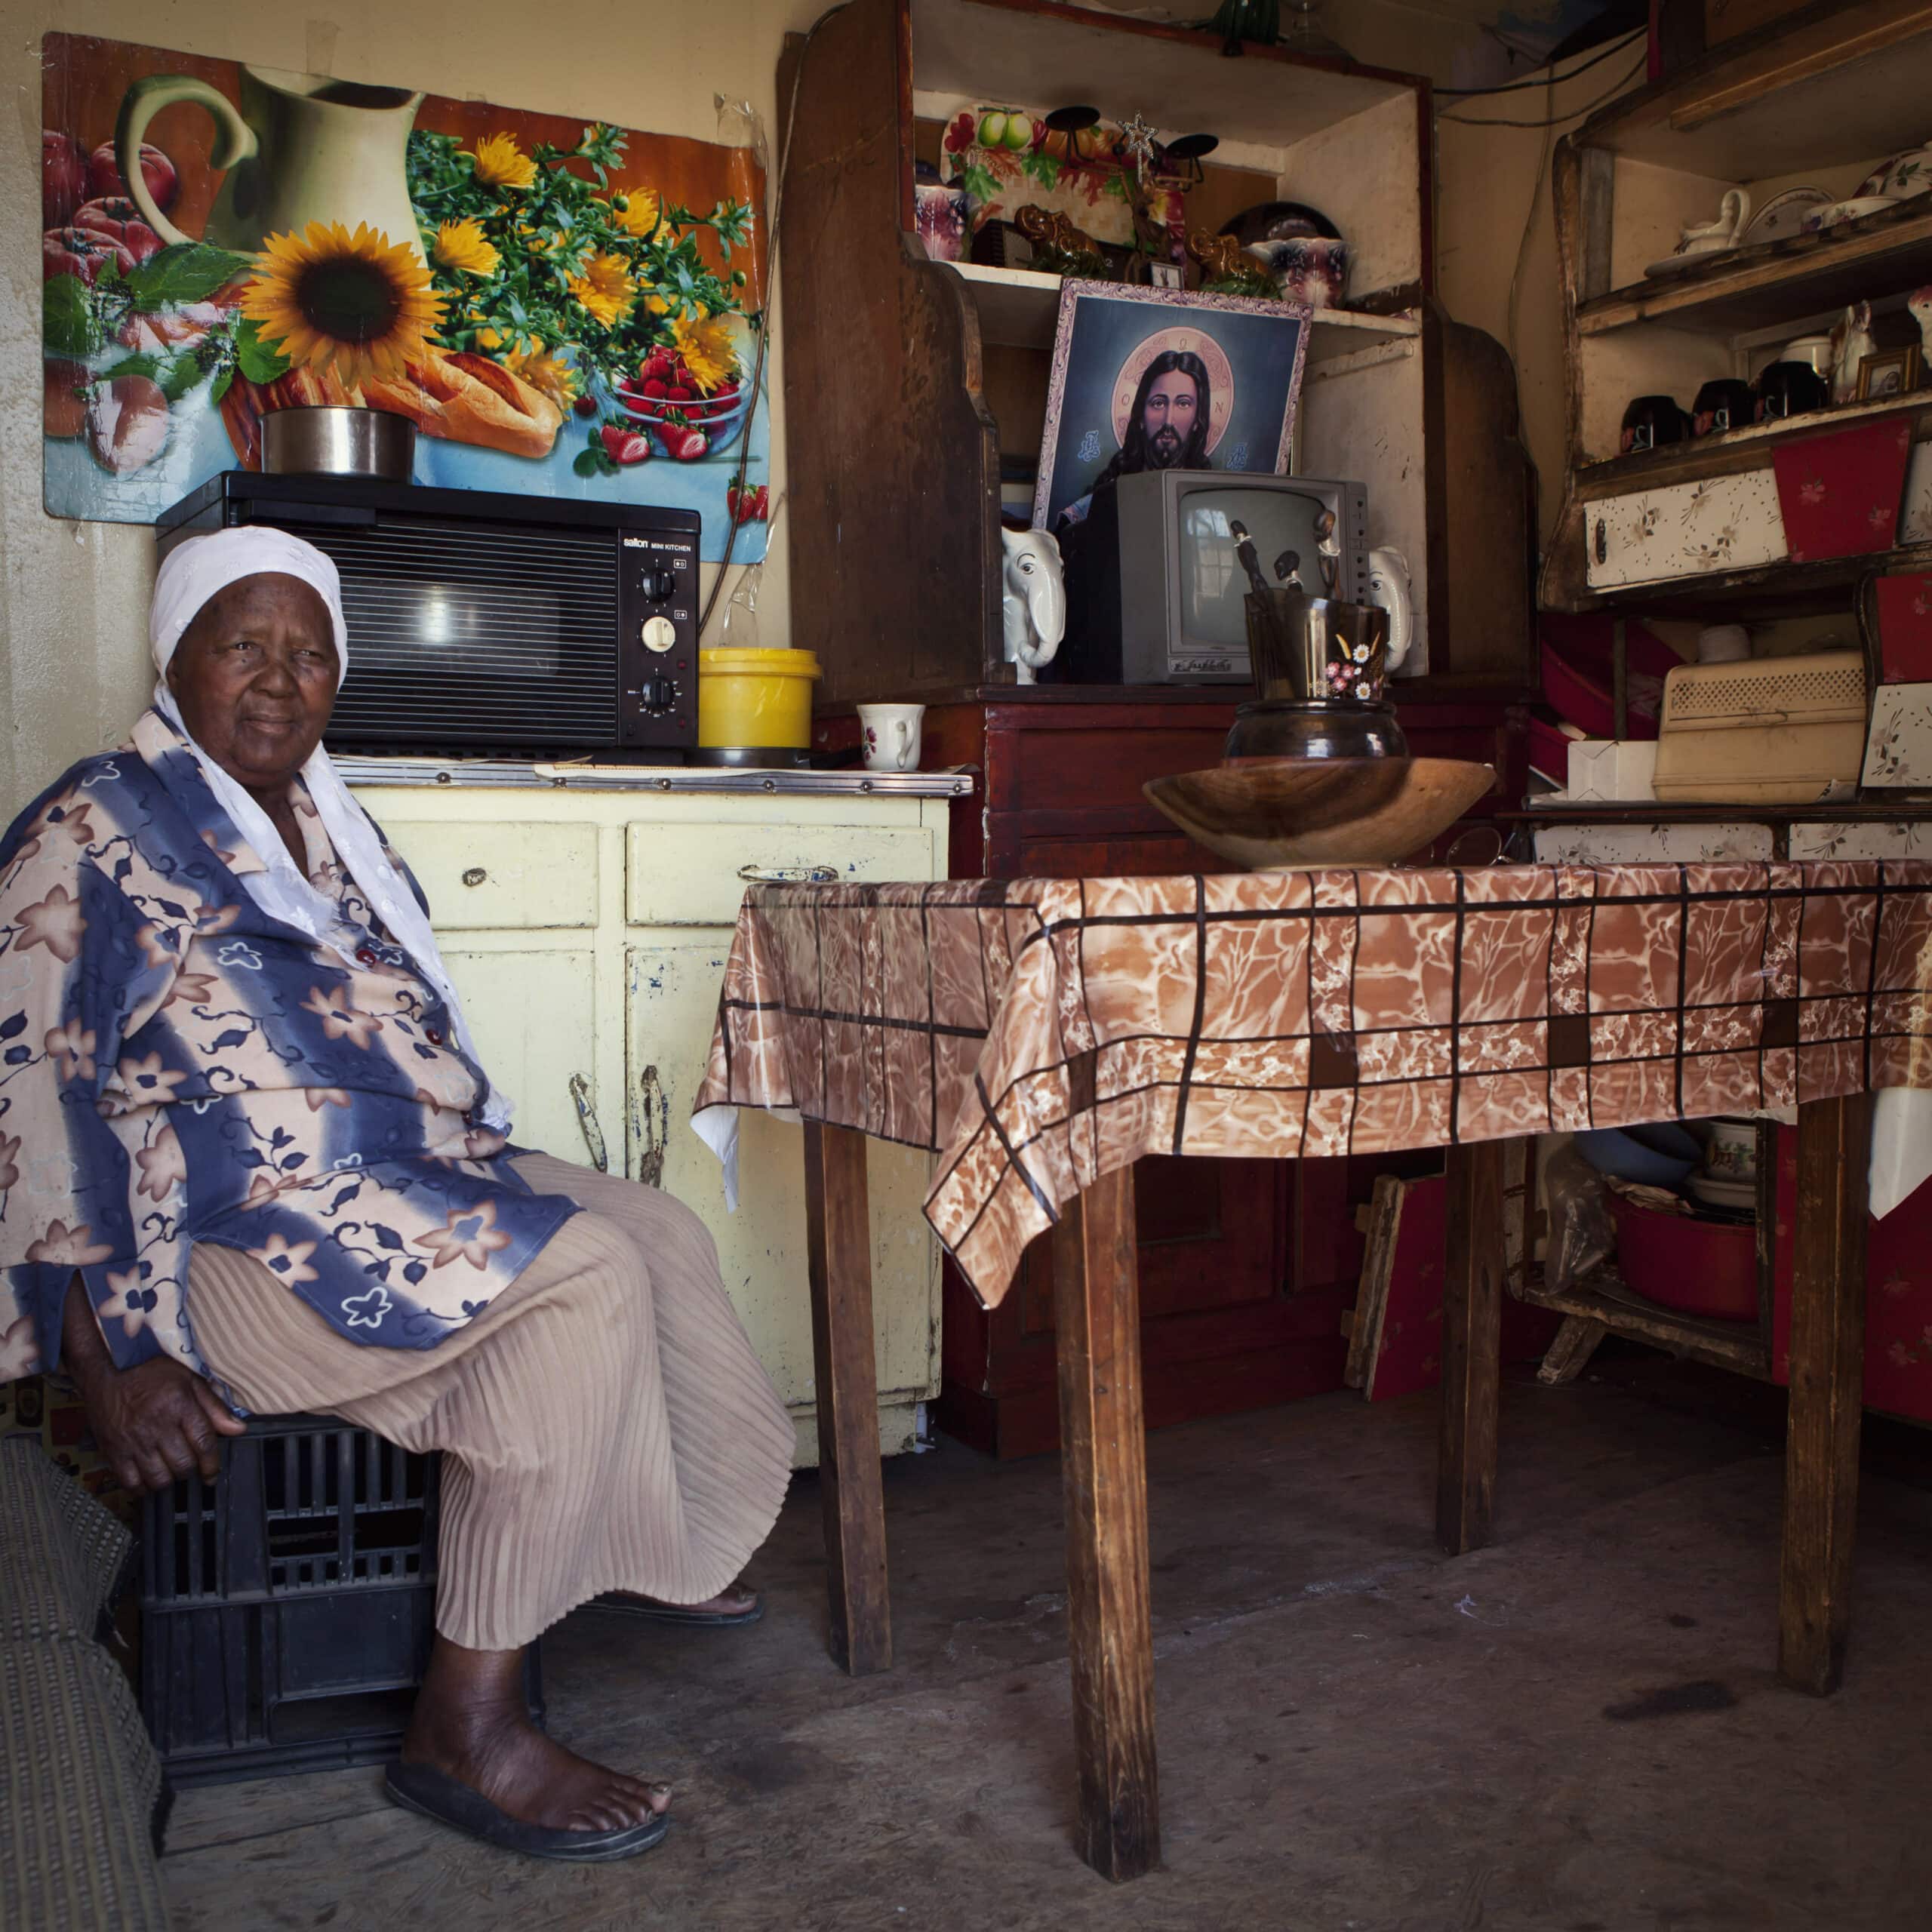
(1612, 771)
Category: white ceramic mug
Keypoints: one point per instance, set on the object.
(891, 733)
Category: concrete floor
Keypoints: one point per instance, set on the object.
(1575, 1731)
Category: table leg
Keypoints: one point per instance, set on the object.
(839, 1248)
(1827, 1378)
(1472, 1345)
(1103, 1465)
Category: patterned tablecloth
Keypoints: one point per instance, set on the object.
(1038, 1033)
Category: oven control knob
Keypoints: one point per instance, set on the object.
(660, 585)
(658, 634)
(659, 693)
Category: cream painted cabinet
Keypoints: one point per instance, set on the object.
(586, 924)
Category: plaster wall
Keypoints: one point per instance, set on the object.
(73, 596)
(73, 670)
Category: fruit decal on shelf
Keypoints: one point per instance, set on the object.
(1004, 158)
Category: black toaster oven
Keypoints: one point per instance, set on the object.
(485, 623)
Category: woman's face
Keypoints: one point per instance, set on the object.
(255, 676)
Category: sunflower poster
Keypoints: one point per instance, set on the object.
(562, 307)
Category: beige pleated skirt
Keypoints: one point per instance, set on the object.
(604, 1423)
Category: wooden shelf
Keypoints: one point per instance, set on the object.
(1765, 592)
(1824, 87)
(1020, 307)
(984, 50)
(1656, 811)
(1603, 1296)
(1777, 282)
(1730, 450)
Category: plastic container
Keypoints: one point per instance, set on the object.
(1679, 1261)
(288, 1608)
(755, 699)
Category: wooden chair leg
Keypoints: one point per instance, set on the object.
(1103, 1463)
(839, 1247)
(1576, 1342)
(1827, 1384)
(1472, 1345)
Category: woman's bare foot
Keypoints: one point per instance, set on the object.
(472, 1723)
(734, 1600)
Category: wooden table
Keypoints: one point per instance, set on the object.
(853, 1005)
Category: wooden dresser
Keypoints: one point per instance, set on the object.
(1245, 1266)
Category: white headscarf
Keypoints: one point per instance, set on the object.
(191, 574)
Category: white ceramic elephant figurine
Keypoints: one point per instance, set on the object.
(1032, 599)
(1389, 586)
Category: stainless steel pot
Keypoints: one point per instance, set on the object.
(331, 439)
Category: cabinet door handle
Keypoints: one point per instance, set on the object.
(788, 875)
(475, 876)
(586, 1118)
(650, 1123)
(1603, 542)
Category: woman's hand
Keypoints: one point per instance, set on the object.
(154, 1422)
(158, 1422)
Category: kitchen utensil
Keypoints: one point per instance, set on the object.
(1738, 1196)
(1782, 215)
(1307, 648)
(1731, 1154)
(335, 440)
(939, 212)
(1651, 421)
(1284, 727)
(1579, 677)
(1835, 214)
(892, 733)
(1815, 349)
(1725, 404)
(1771, 730)
(1300, 812)
(1687, 1262)
(1299, 247)
(1708, 237)
(1723, 644)
(1904, 176)
(1790, 388)
(754, 699)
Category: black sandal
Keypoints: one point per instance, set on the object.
(438, 1795)
(615, 1601)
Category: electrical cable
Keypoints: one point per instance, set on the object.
(1529, 224)
(736, 494)
(1555, 120)
(1537, 80)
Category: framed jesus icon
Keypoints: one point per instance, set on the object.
(1162, 379)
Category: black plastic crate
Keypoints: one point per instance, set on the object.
(288, 1607)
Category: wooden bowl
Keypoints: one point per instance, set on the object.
(1294, 814)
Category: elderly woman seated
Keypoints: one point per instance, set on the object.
(249, 1161)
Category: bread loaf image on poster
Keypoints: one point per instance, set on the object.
(464, 399)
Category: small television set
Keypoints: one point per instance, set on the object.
(1182, 619)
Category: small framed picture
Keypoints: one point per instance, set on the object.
(1165, 379)
(1890, 372)
(1164, 274)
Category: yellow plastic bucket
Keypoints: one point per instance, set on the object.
(752, 698)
